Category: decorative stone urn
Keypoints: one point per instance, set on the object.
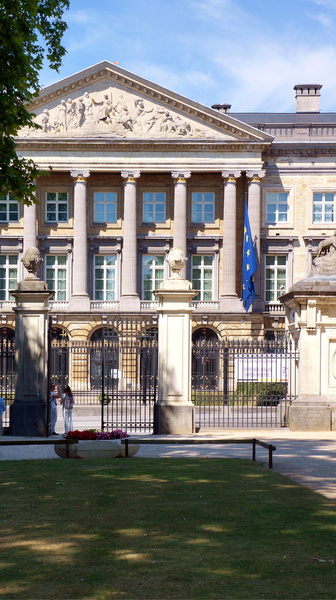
(96, 449)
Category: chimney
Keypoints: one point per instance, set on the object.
(308, 97)
(222, 108)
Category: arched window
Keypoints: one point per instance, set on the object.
(203, 333)
(7, 334)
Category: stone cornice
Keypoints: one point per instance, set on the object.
(135, 146)
(300, 150)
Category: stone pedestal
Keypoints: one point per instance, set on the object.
(28, 413)
(175, 409)
(129, 303)
(311, 313)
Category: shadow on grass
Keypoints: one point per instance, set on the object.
(160, 529)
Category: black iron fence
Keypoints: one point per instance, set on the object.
(234, 384)
(117, 373)
(7, 375)
(243, 384)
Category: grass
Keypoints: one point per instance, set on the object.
(162, 528)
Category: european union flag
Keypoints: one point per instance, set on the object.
(249, 263)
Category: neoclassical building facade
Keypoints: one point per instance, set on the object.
(133, 169)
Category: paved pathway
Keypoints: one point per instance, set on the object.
(308, 458)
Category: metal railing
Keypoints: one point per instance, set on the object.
(243, 384)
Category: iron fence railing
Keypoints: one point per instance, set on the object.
(243, 384)
(234, 383)
(117, 373)
(7, 375)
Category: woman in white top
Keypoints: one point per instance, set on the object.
(67, 402)
(53, 408)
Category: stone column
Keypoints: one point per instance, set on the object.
(175, 412)
(28, 413)
(129, 300)
(180, 212)
(229, 301)
(254, 211)
(80, 298)
(29, 228)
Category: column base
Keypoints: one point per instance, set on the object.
(28, 419)
(231, 304)
(80, 303)
(129, 303)
(312, 413)
(175, 419)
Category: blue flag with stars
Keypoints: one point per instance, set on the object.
(249, 263)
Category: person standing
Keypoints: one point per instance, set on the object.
(2, 410)
(67, 402)
(53, 407)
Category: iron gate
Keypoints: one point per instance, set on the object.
(117, 373)
(243, 384)
(7, 375)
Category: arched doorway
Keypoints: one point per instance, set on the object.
(205, 360)
(7, 367)
(104, 364)
(59, 357)
(149, 364)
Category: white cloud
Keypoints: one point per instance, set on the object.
(326, 3)
(211, 50)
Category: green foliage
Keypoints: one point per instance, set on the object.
(30, 31)
(260, 393)
(263, 392)
(106, 401)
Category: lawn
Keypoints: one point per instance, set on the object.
(152, 529)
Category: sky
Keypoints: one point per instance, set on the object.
(247, 53)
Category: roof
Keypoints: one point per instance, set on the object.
(301, 118)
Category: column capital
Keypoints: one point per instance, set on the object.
(231, 176)
(256, 175)
(80, 175)
(180, 176)
(130, 176)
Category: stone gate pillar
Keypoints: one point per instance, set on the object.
(175, 409)
(311, 315)
(28, 413)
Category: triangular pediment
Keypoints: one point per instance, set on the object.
(106, 101)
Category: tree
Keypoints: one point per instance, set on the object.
(30, 31)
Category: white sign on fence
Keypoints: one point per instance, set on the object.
(261, 367)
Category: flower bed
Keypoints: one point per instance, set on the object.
(96, 444)
(93, 434)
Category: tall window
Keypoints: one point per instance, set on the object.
(277, 207)
(56, 275)
(8, 275)
(276, 277)
(152, 275)
(203, 207)
(9, 208)
(323, 207)
(202, 275)
(105, 207)
(154, 207)
(105, 277)
(57, 207)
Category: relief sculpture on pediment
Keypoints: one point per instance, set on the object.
(115, 113)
